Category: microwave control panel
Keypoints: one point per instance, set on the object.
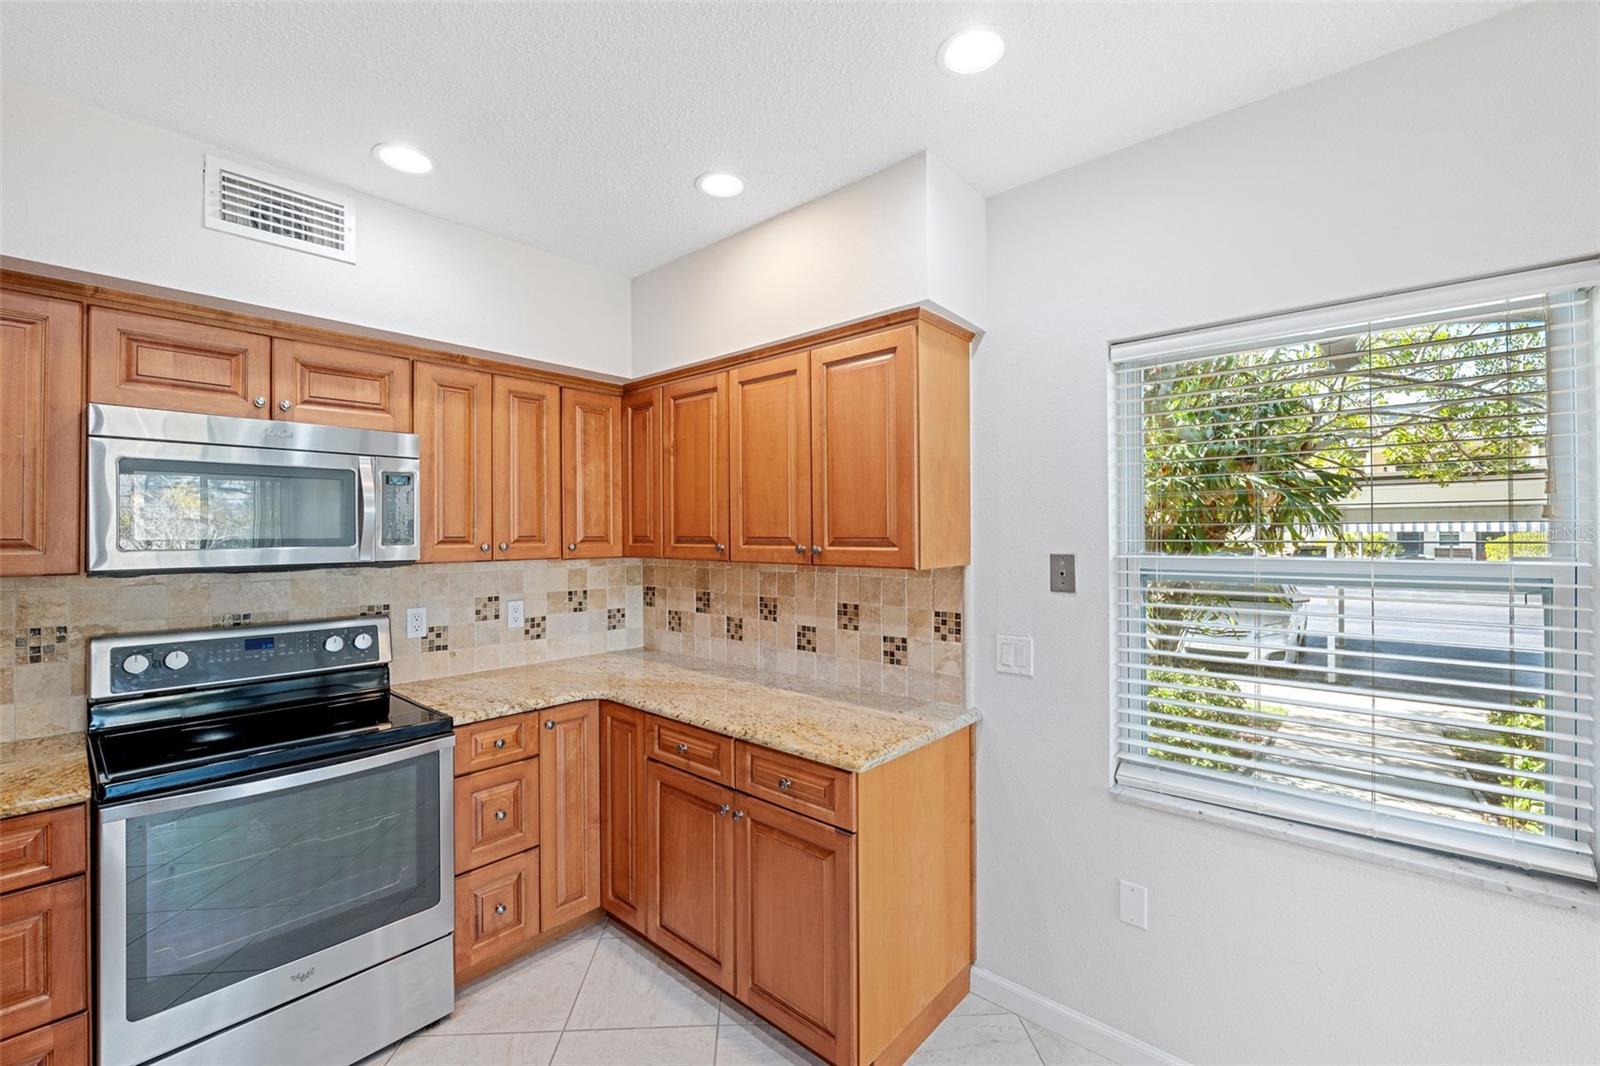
(399, 507)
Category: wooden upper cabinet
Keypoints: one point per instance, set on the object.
(145, 361)
(694, 438)
(769, 460)
(795, 926)
(340, 387)
(622, 760)
(591, 474)
(569, 812)
(690, 903)
(41, 432)
(453, 420)
(641, 473)
(527, 469)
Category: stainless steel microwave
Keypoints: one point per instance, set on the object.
(175, 491)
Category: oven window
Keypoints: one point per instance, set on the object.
(224, 892)
(171, 505)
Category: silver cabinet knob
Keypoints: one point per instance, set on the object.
(261, 401)
(721, 548)
(500, 743)
(683, 749)
(549, 723)
(799, 549)
(484, 546)
(284, 405)
(572, 547)
(738, 815)
(504, 545)
(784, 784)
(499, 908)
(724, 809)
(816, 549)
(499, 816)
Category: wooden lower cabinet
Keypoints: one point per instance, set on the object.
(795, 918)
(497, 814)
(569, 811)
(44, 938)
(65, 1043)
(689, 844)
(622, 784)
(497, 914)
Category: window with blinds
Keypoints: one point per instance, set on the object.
(1355, 580)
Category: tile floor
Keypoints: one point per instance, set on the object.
(600, 996)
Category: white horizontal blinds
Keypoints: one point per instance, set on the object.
(1355, 579)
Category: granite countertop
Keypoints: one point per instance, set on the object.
(43, 773)
(849, 729)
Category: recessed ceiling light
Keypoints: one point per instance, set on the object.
(719, 183)
(402, 157)
(972, 51)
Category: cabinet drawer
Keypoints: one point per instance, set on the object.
(495, 743)
(497, 913)
(702, 753)
(66, 1043)
(35, 848)
(823, 792)
(497, 813)
(44, 955)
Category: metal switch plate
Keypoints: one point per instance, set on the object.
(1063, 573)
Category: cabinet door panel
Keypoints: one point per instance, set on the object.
(591, 474)
(641, 473)
(569, 811)
(145, 361)
(527, 469)
(44, 846)
(497, 913)
(622, 881)
(796, 926)
(863, 450)
(340, 387)
(694, 432)
(496, 742)
(690, 910)
(66, 1043)
(453, 422)
(44, 955)
(770, 460)
(497, 814)
(41, 433)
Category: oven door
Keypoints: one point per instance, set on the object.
(160, 505)
(218, 905)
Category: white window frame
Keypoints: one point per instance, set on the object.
(1126, 479)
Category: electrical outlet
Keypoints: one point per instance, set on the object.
(1013, 655)
(1063, 573)
(513, 614)
(1134, 903)
(416, 622)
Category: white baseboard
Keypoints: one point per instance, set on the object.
(1076, 1026)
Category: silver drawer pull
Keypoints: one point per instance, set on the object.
(499, 816)
(499, 908)
(724, 809)
(784, 784)
(549, 723)
(683, 748)
(500, 743)
(738, 815)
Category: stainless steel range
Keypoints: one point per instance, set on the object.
(273, 841)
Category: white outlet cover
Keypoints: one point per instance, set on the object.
(513, 614)
(1134, 904)
(1013, 655)
(416, 622)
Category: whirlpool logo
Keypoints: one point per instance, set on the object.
(303, 976)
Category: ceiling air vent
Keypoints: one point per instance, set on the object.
(265, 207)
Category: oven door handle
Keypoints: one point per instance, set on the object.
(369, 508)
(276, 783)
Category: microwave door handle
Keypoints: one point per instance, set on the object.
(369, 509)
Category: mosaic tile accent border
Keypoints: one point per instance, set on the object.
(486, 609)
(616, 618)
(42, 644)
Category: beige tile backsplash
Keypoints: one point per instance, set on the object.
(879, 630)
(892, 631)
(570, 608)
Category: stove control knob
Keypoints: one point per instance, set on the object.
(333, 643)
(362, 641)
(136, 664)
(175, 660)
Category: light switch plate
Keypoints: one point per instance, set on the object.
(514, 614)
(416, 622)
(1063, 573)
(1134, 904)
(1013, 655)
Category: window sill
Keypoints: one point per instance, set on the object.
(1567, 895)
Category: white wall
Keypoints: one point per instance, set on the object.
(856, 252)
(96, 193)
(1474, 153)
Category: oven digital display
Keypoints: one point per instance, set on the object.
(258, 643)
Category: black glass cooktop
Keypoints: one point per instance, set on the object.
(168, 744)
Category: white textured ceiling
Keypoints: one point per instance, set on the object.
(579, 128)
